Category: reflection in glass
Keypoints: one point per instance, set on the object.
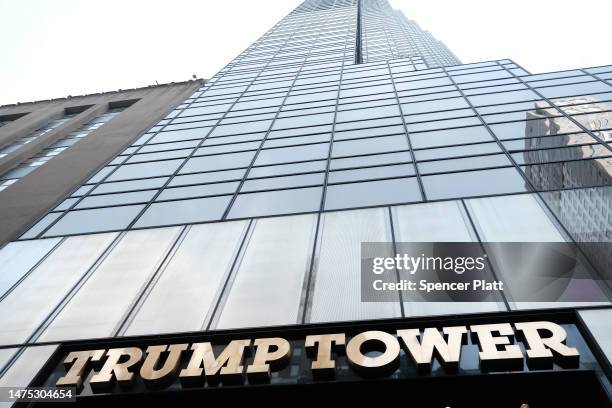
(268, 283)
(336, 284)
(370, 193)
(33, 300)
(435, 222)
(587, 216)
(98, 307)
(17, 258)
(183, 295)
(295, 200)
(184, 211)
(473, 183)
(27, 365)
(599, 323)
(522, 218)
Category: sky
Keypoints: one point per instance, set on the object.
(55, 48)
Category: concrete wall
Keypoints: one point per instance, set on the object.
(22, 203)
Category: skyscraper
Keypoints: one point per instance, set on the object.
(240, 228)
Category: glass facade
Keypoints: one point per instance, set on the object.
(246, 206)
(312, 139)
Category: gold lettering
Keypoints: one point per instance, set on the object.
(323, 365)
(112, 367)
(383, 342)
(152, 376)
(539, 353)
(422, 353)
(77, 360)
(260, 369)
(510, 357)
(228, 366)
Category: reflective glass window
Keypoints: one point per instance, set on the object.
(268, 284)
(17, 258)
(184, 211)
(142, 170)
(336, 288)
(32, 301)
(184, 295)
(370, 193)
(437, 138)
(99, 306)
(473, 183)
(217, 162)
(95, 220)
(444, 221)
(294, 200)
(370, 145)
(295, 153)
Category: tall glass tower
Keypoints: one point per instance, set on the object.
(246, 213)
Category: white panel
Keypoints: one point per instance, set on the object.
(269, 281)
(336, 295)
(432, 222)
(599, 322)
(5, 356)
(522, 218)
(29, 304)
(513, 218)
(99, 305)
(28, 364)
(184, 293)
(444, 221)
(17, 258)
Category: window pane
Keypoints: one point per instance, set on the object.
(210, 177)
(336, 290)
(142, 170)
(217, 162)
(268, 284)
(101, 219)
(17, 258)
(373, 160)
(473, 183)
(381, 192)
(475, 162)
(29, 304)
(6, 354)
(436, 105)
(369, 113)
(198, 191)
(370, 145)
(130, 185)
(436, 222)
(467, 150)
(176, 135)
(283, 182)
(237, 128)
(432, 222)
(116, 199)
(182, 297)
(97, 309)
(522, 218)
(599, 323)
(276, 202)
(184, 211)
(398, 170)
(289, 154)
(516, 218)
(27, 365)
